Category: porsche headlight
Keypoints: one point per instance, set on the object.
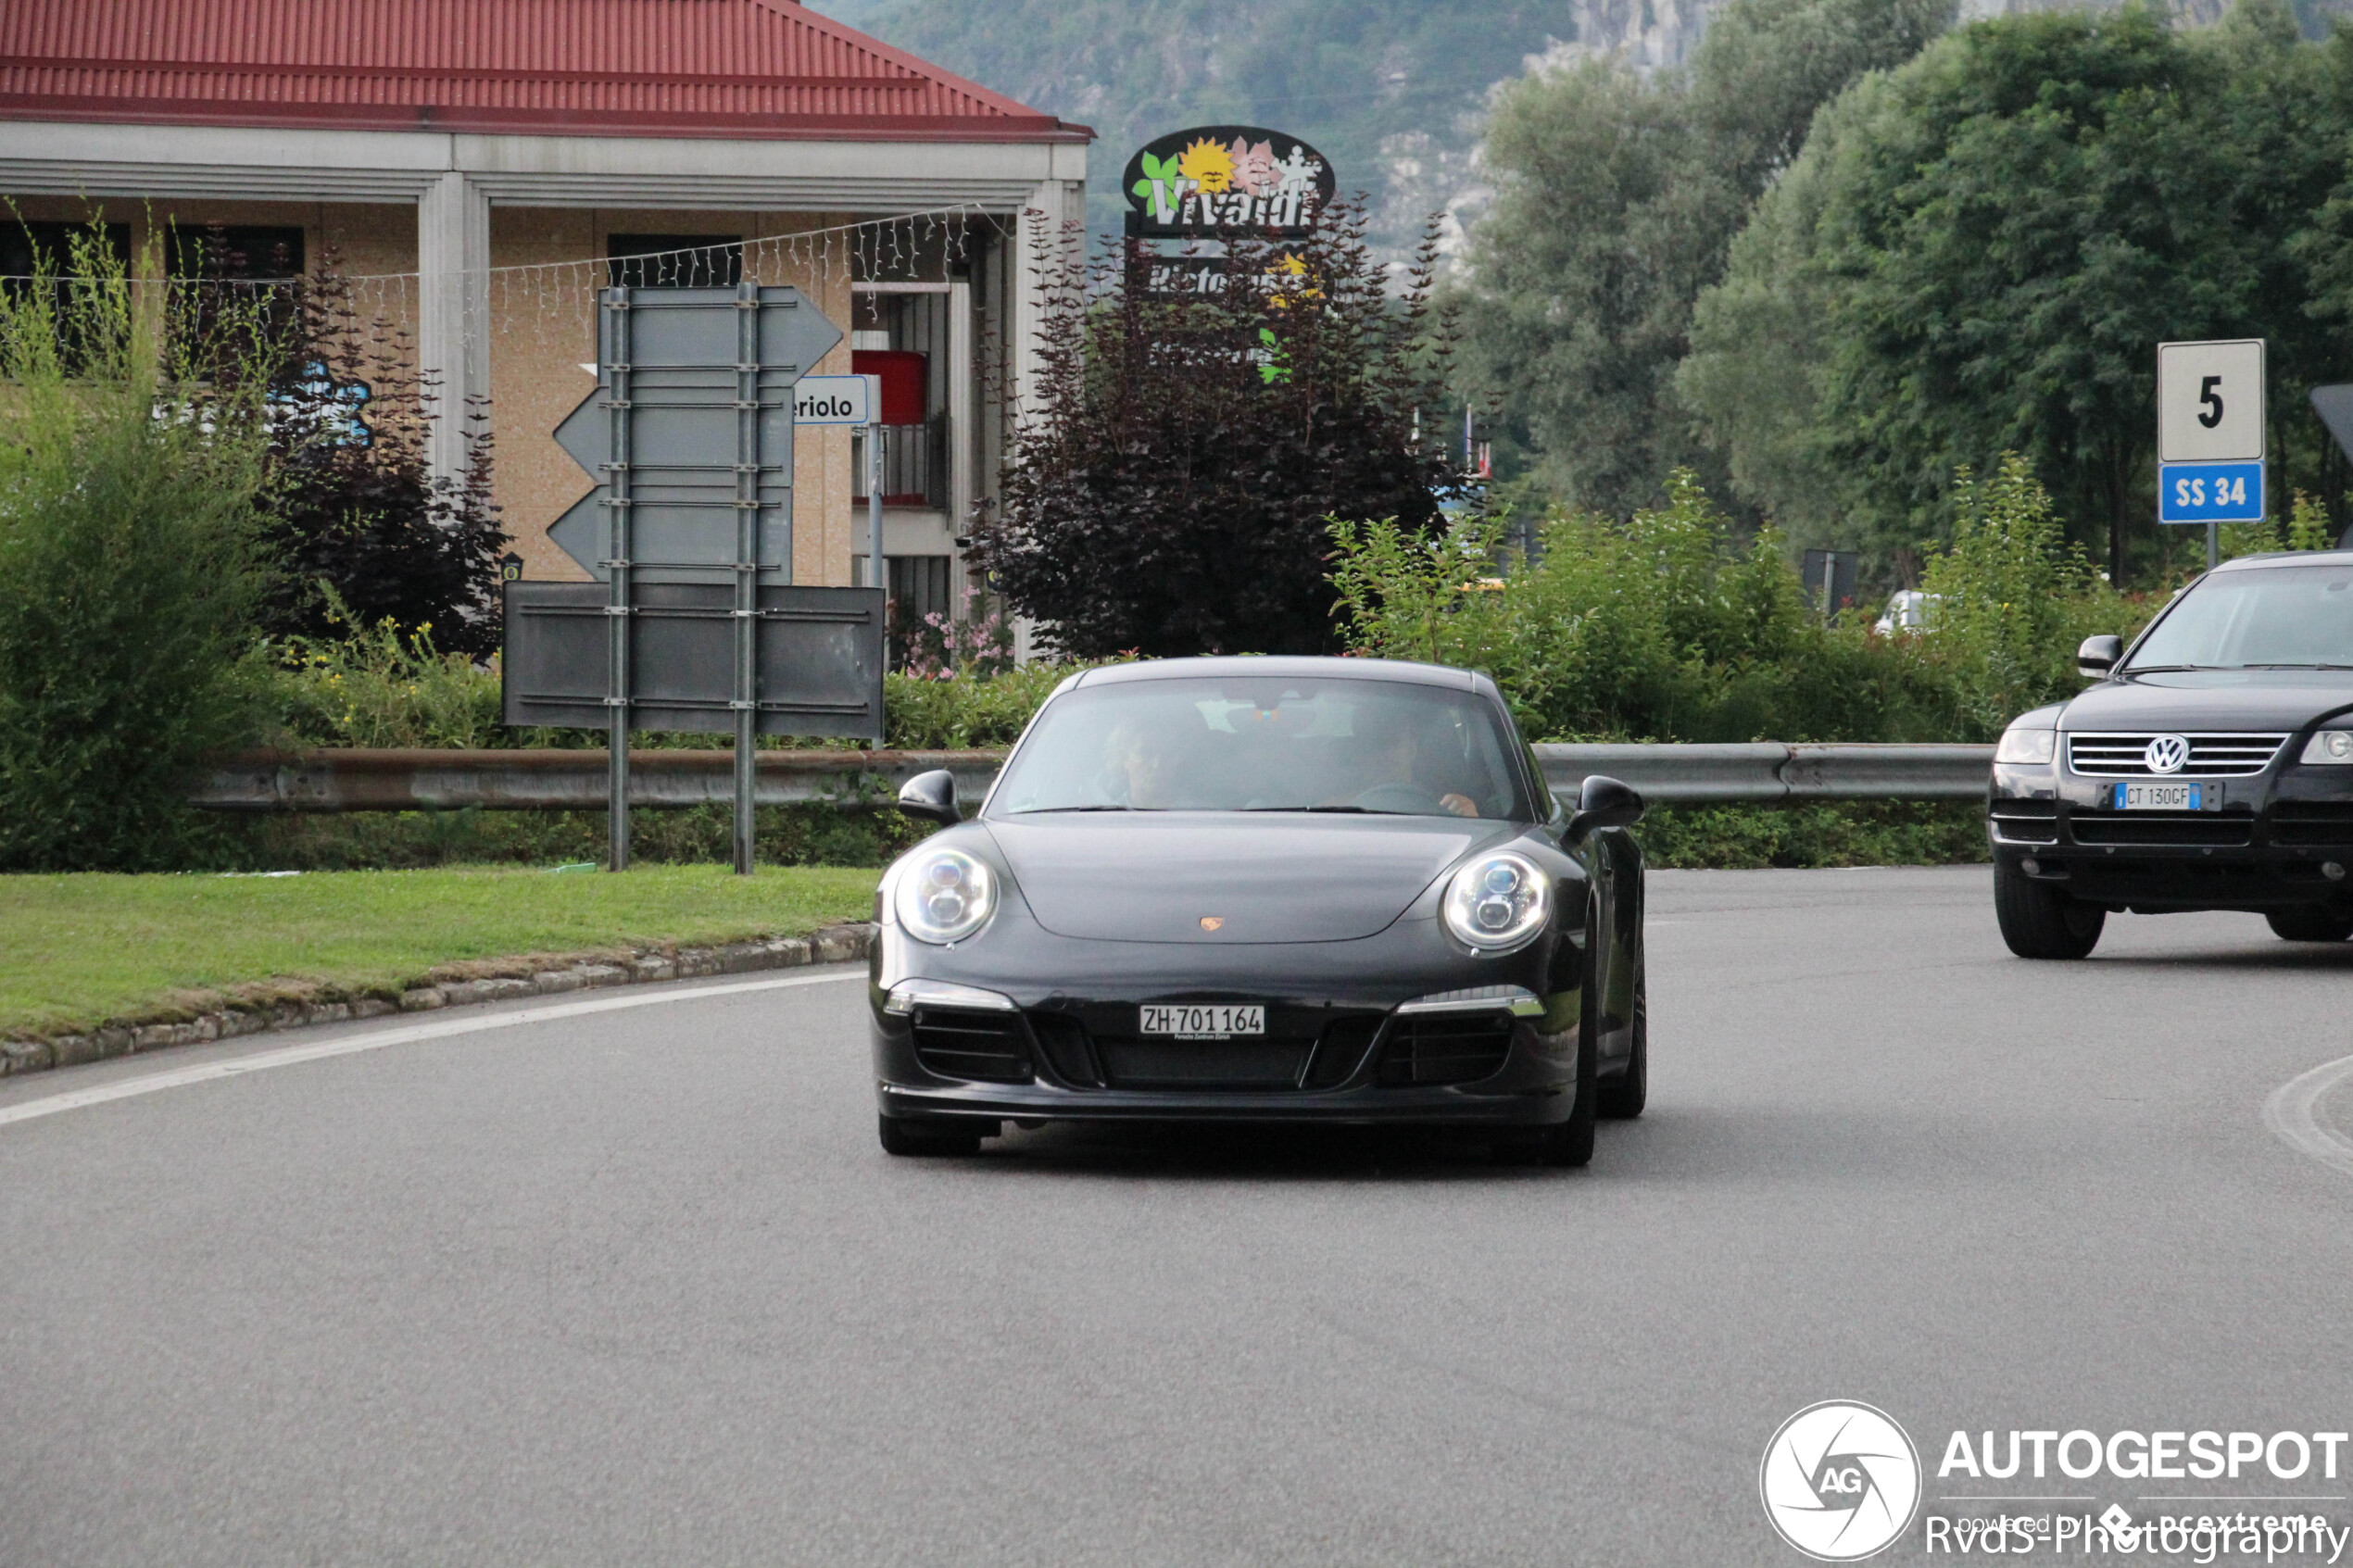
(2026, 746)
(2330, 746)
(1498, 902)
(943, 895)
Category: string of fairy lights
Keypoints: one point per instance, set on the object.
(557, 299)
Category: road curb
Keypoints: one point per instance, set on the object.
(644, 966)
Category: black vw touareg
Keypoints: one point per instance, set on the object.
(2210, 767)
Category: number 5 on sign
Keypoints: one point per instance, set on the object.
(2210, 401)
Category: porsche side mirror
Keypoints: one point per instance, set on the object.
(931, 795)
(1602, 802)
(2097, 656)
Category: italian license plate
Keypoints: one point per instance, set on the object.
(2166, 798)
(1218, 1021)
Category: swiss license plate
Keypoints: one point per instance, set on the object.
(2166, 798)
(1217, 1021)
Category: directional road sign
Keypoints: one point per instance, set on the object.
(706, 414)
(698, 624)
(2209, 430)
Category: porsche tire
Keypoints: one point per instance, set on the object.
(2310, 925)
(1571, 1142)
(911, 1140)
(1622, 1097)
(2040, 922)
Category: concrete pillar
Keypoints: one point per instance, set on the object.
(1041, 240)
(962, 401)
(1040, 243)
(453, 308)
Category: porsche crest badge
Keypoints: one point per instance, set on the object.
(1210, 923)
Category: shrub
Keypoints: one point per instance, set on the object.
(128, 481)
(352, 507)
(1663, 627)
(383, 685)
(2012, 598)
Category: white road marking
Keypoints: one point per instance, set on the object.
(350, 1045)
(2292, 1112)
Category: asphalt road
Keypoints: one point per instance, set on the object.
(636, 1286)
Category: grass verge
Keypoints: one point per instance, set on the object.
(77, 951)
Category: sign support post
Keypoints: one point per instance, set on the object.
(746, 701)
(878, 570)
(617, 499)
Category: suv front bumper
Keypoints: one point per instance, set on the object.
(2280, 840)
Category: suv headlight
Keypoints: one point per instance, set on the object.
(2027, 745)
(2328, 745)
(1498, 902)
(943, 895)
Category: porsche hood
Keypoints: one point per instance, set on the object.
(1227, 879)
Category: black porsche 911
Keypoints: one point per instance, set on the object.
(1263, 889)
(2210, 767)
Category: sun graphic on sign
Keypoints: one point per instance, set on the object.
(1207, 163)
(1288, 281)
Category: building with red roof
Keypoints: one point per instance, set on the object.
(479, 168)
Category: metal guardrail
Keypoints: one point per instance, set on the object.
(576, 780)
(533, 780)
(1766, 770)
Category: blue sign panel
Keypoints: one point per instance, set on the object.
(2209, 491)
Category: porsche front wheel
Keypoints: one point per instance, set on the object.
(911, 1140)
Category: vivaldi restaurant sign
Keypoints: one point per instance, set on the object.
(1189, 185)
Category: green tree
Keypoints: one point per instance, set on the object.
(1169, 487)
(1617, 197)
(1979, 254)
(1758, 375)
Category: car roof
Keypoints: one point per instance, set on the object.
(2288, 558)
(1282, 666)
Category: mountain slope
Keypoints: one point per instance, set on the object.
(1389, 90)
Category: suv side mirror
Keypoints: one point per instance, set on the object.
(931, 795)
(2098, 656)
(1602, 802)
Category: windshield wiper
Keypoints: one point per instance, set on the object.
(1057, 811)
(2166, 669)
(2296, 666)
(1358, 810)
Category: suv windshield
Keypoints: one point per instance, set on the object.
(2270, 617)
(1248, 744)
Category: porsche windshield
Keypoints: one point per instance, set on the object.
(1209, 744)
(2264, 617)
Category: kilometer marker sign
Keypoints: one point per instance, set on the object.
(2209, 432)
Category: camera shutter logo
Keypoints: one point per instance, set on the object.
(1840, 1481)
(2167, 754)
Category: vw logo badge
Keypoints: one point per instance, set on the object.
(1840, 1481)
(2167, 754)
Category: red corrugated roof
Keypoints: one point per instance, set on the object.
(714, 67)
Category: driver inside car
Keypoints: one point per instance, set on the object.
(1400, 756)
